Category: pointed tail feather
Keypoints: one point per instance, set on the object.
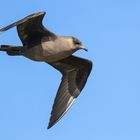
(11, 50)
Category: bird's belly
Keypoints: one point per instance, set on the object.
(39, 53)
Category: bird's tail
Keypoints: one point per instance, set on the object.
(11, 50)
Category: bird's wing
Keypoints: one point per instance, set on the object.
(75, 72)
(30, 28)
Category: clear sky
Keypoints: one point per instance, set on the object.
(109, 106)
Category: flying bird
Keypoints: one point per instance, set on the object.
(42, 45)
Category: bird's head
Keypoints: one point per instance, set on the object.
(78, 44)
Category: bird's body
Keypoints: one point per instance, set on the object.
(39, 44)
(46, 52)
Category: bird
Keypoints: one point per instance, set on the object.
(40, 44)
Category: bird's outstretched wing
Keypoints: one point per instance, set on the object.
(30, 28)
(75, 72)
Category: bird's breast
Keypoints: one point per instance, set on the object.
(49, 51)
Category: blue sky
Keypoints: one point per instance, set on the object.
(109, 106)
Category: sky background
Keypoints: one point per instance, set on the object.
(109, 105)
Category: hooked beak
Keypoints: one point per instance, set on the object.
(83, 48)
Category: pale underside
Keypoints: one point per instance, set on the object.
(50, 51)
(40, 44)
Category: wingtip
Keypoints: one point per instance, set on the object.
(41, 13)
(50, 125)
(52, 122)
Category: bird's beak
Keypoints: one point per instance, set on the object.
(82, 47)
(85, 49)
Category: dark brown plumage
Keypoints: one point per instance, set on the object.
(40, 44)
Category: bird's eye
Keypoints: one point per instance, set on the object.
(77, 42)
